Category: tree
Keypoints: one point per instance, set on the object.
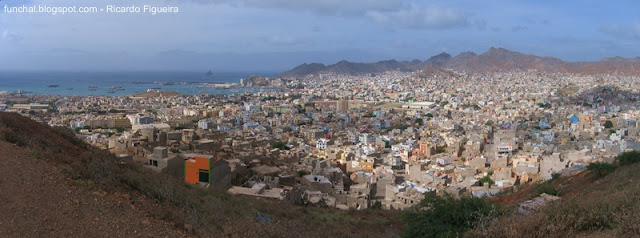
(601, 169)
(447, 216)
(548, 188)
(608, 124)
(628, 158)
(280, 145)
(544, 105)
(377, 205)
(302, 173)
(310, 104)
(486, 180)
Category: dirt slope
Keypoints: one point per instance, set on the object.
(37, 200)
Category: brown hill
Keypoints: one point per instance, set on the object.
(351, 68)
(499, 59)
(494, 60)
(54, 185)
(615, 65)
(40, 199)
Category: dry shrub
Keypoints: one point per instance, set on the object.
(609, 206)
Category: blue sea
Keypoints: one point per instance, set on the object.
(120, 83)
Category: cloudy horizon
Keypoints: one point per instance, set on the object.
(274, 35)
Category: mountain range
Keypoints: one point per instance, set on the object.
(494, 60)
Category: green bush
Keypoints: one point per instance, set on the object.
(280, 145)
(548, 188)
(302, 173)
(628, 158)
(601, 169)
(447, 216)
(486, 179)
(608, 124)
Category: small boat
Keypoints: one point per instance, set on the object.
(53, 85)
(208, 76)
(69, 89)
(93, 88)
(111, 91)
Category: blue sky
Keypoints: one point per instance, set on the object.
(236, 35)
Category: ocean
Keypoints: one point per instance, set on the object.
(119, 83)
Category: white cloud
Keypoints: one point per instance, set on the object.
(281, 40)
(481, 24)
(323, 7)
(391, 12)
(415, 16)
(631, 31)
(11, 36)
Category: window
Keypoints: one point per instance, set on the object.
(203, 176)
(153, 163)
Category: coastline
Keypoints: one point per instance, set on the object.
(120, 83)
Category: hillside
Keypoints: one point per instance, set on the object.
(39, 200)
(590, 206)
(494, 60)
(499, 59)
(54, 185)
(351, 68)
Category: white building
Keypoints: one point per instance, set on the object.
(367, 138)
(321, 144)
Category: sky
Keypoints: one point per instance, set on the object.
(275, 35)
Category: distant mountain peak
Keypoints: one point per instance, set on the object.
(500, 51)
(466, 54)
(494, 59)
(443, 55)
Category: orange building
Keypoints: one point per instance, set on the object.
(207, 170)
